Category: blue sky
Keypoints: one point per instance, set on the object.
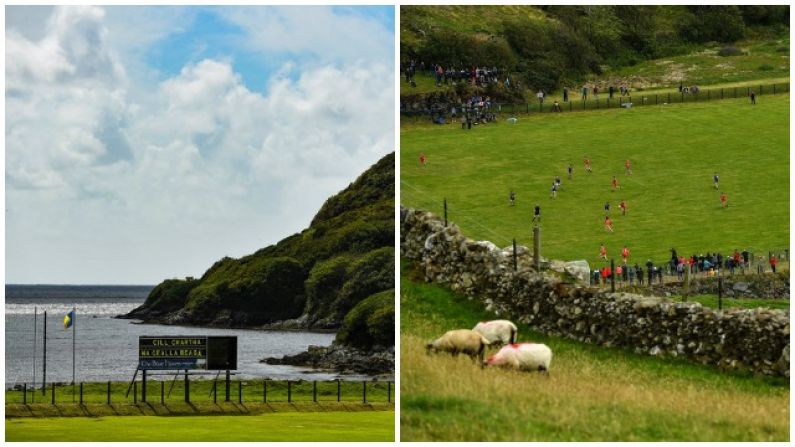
(145, 143)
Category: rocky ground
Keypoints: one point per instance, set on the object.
(341, 359)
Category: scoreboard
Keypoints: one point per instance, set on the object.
(187, 352)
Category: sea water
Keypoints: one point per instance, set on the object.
(107, 347)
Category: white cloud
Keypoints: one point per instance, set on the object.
(111, 178)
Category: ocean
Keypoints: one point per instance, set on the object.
(107, 348)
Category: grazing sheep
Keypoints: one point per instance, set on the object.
(459, 341)
(523, 356)
(497, 332)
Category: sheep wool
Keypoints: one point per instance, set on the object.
(523, 356)
(497, 332)
(460, 341)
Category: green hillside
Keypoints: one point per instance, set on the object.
(674, 149)
(320, 274)
(593, 393)
(547, 47)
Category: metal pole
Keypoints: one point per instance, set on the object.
(364, 391)
(44, 360)
(135, 392)
(53, 394)
(35, 330)
(514, 255)
(612, 276)
(81, 393)
(163, 393)
(720, 292)
(289, 393)
(25, 393)
(228, 384)
(445, 211)
(537, 247)
(74, 337)
(339, 390)
(108, 392)
(187, 387)
(143, 385)
(314, 391)
(389, 391)
(265, 391)
(240, 391)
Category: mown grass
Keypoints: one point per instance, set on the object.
(593, 393)
(246, 391)
(332, 426)
(674, 150)
(741, 303)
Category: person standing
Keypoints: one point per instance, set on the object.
(565, 94)
(715, 180)
(571, 170)
(628, 167)
(773, 262)
(512, 197)
(753, 97)
(587, 163)
(639, 272)
(615, 183)
(584, 92)
(608, 224)
(607, 208)
(611, 92)
(596, 93)
(623, 207)
(603, 251)
(625, 253)
(540, 96)
(724, 201)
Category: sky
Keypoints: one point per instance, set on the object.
(145, 143)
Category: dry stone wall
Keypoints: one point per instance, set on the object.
(557, 303)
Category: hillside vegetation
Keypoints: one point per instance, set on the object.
(593, 393)
(316, 276)
(671, 203)
(547, 47)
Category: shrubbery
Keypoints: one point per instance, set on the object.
(370, 323)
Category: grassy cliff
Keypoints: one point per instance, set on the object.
(316, 277)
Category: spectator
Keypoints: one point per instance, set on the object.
(565, 94)
(639, 272)
(584, 92)
(596, 93)
(556, 106)
(753, 97)
(540, 96)
(631, 274)
(773, 262)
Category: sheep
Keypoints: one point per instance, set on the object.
(459, 341)
(523, 356)
(497, 332)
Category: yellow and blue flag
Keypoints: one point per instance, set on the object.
(68, 320)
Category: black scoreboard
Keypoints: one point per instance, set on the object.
(187, 352)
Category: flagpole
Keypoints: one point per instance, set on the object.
(35, 327)
(74, 337)
(44, 358)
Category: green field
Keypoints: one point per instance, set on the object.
(592, 394)
(331, 426)
(674, 149)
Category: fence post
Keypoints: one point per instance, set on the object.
(314, 391)
(163, 393)
(135, 392)
(389, 392)
(774, 89)
(514, 255)
(537, 247)
(108, 392)
(720, 292)
(655, 99)
(612, 276)
(24, 393)
(445, 212)
(339, 389)
(81, 393)
(53, 394)
(240, 392)
(669, 98)
(735, 92)
(143, 385)
(289, 393)
(265, 391)
(364, 391)
(721, 93)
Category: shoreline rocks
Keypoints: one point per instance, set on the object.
(342, 359)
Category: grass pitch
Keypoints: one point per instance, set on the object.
(593, 393)
(674, 150)
(333, 426)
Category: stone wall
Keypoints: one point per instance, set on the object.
(557, 303)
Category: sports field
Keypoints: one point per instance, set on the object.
(332, 426)
(671, 203)
(593, 393)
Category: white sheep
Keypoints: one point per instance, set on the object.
(523, 356)
(497, 332)
(460, 341)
